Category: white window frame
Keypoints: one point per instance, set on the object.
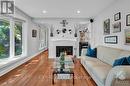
(14, 37)
(12, 21)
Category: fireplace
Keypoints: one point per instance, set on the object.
(68, 49)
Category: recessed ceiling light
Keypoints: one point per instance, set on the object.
(44, 11)
(78, 11)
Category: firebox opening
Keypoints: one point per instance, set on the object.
(67, 49)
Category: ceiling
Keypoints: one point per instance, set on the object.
(62, 8)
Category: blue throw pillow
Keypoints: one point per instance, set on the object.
(94, 52)
(121, 61)
(88, 51)
(91, 52)
(128, 59)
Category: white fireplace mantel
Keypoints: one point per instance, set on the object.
(53, 42)
(63, 39)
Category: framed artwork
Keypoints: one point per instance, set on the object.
(128, 20)
(34, 33)
(127, 36)
(117, 16)
(116, 27)
(111, 39)
(106, 26)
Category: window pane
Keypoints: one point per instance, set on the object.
(4, 39)
(18, 38)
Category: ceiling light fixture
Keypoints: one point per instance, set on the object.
(44, 11)
(78, 11)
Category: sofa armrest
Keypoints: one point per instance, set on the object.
(83, 52)
(118, 72)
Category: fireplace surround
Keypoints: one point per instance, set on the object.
(68, 44)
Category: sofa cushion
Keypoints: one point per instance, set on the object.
(108, 55)
(98, 68)
(86, 58)
(94, 62)
(101, 72)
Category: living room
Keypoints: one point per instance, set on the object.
(90, 38)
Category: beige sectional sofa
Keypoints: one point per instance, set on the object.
(101, 70)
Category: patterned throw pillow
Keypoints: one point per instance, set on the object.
(121, 61)
(91, 52)
(128, 59)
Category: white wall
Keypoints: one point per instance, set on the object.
(55, 24)
(122, 6)
(32, 43)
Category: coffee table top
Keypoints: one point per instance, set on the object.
(68, 63)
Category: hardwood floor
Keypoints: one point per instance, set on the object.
(38, 72)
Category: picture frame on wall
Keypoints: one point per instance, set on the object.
(34, 33)
(117, 16)
(116, 27)
(128, 20)
(127, 36)
(106, 26)
(111, 39)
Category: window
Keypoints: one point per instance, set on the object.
(10, 38)
(4, 38)
(18, 38)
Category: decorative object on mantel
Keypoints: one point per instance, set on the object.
(64, 30)
(34, 33)
(85, 30)
(111, 39)
(70, 31)
(64, 23)
(117, 16)
(117, 27)
(106, 27)
(91, 20)
(75, 35)
(128, 20)
(51, 34)
(58, 31)
(127, 36)
(51, 31)
(76, 28)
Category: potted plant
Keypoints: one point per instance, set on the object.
(62, 58)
